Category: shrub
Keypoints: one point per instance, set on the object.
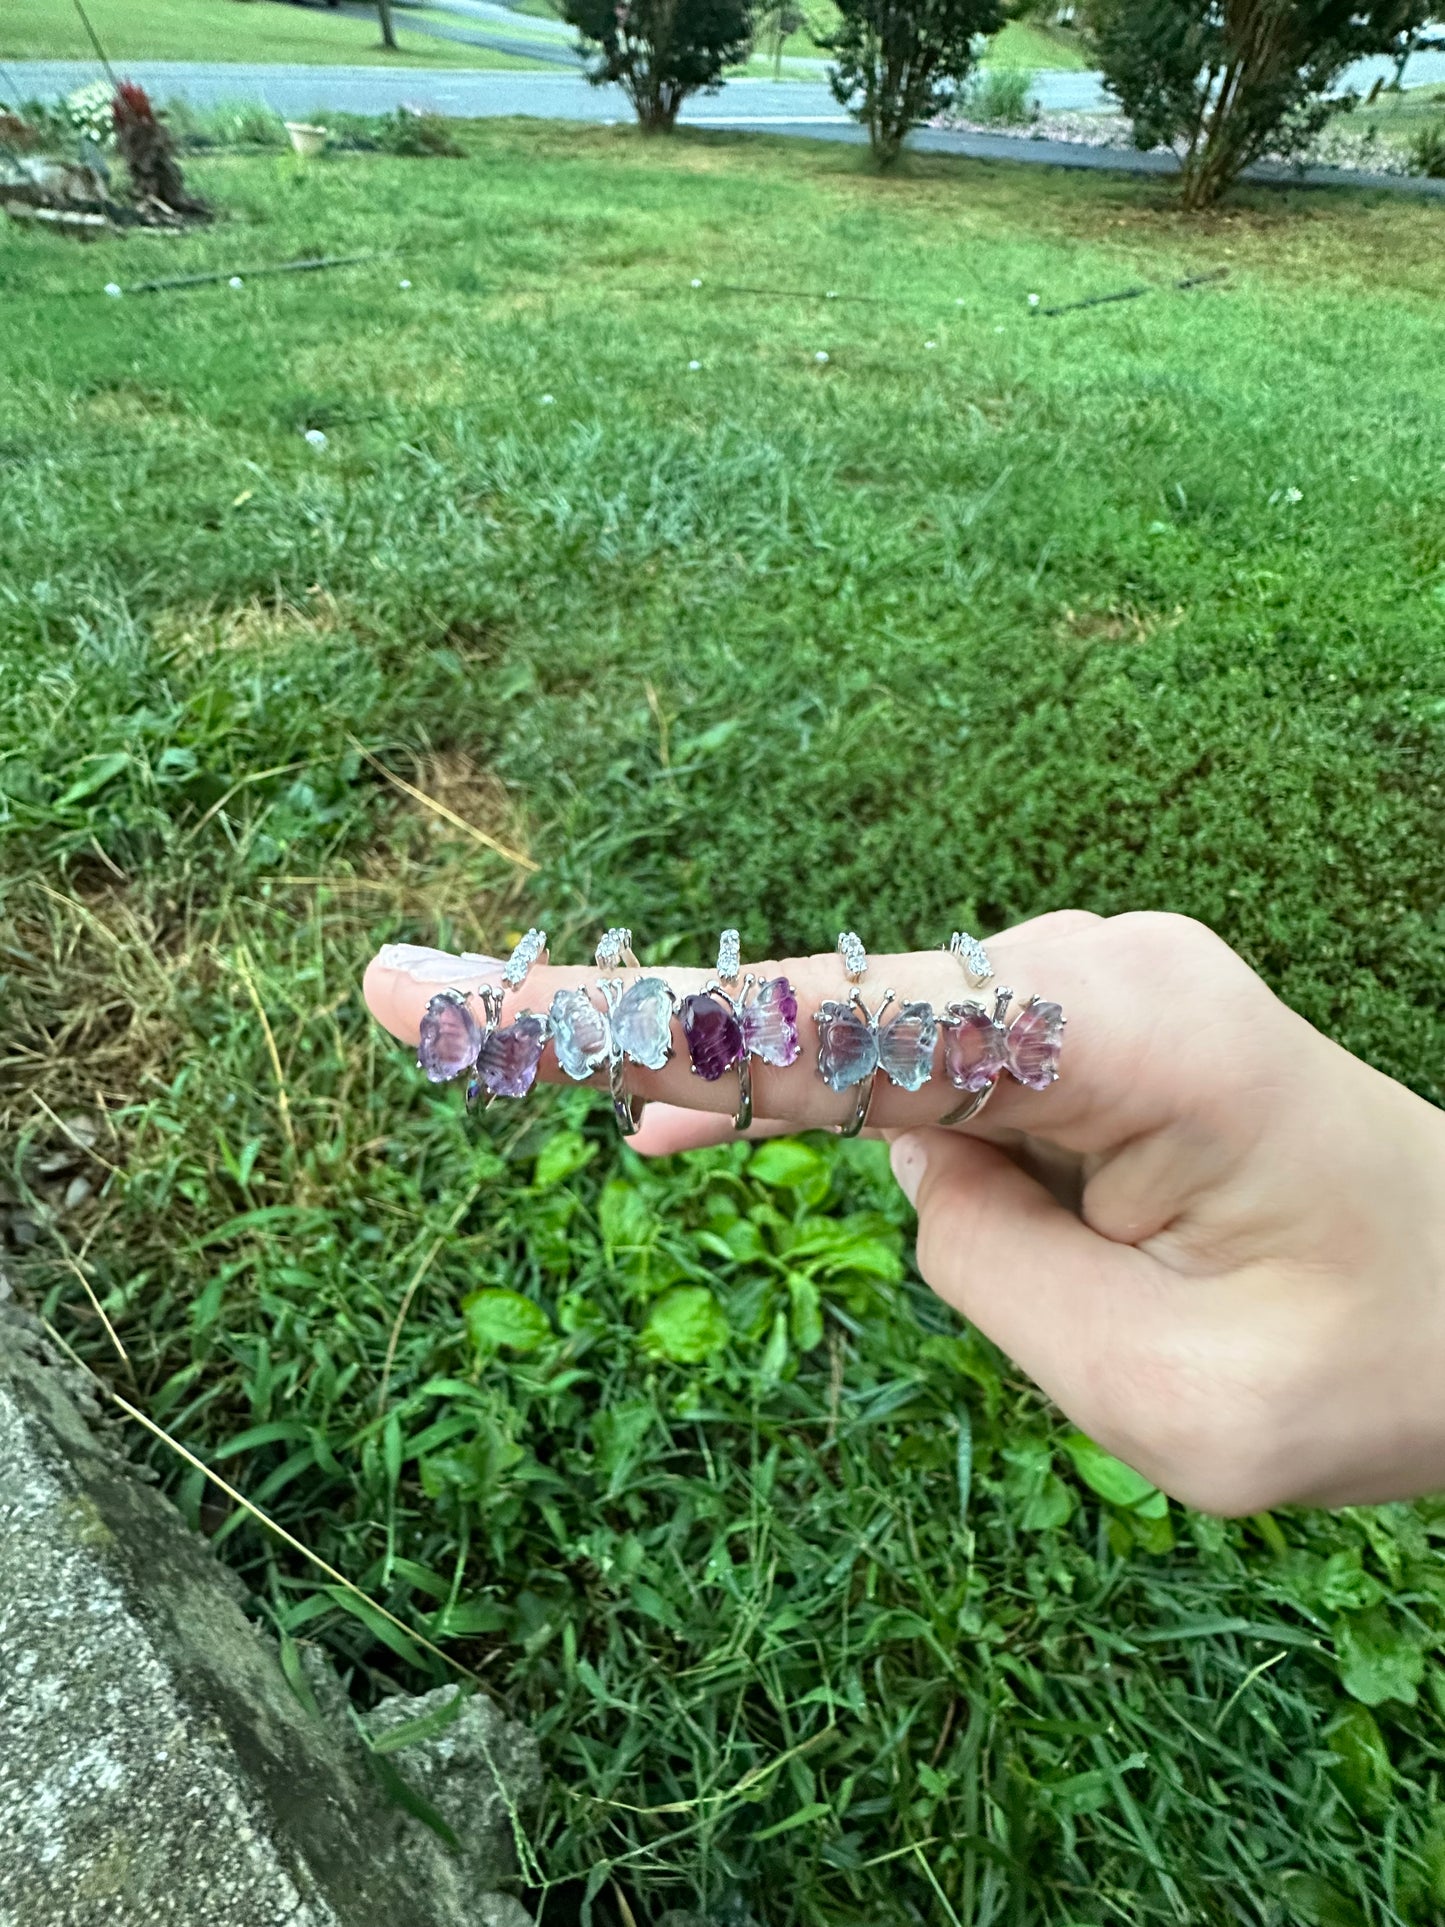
(148, 149)
(1427, 153)
(899, 62)
(88, 110)
(660, 51)
(1224, 81)
(1000, 96)
(415, 130)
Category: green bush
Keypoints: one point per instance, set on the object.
(1001, 96)
(897, 63)
(1427, 153)
(660, 51)
(1226, 84)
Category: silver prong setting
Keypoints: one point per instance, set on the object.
(855, 957)
(973, 957)
(523, 956)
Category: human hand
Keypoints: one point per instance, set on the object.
(1218, 1242)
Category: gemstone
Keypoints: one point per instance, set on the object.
(906, 1044)
(510, 1056)
(642, 1023)
(850, 949)
(972, 955)
(770, 1023)
(1035, 1038)
(528, 950)
(973, 1050)
(611, 946)
(847, 1046)
(728, 956)
(581, 1033)
(450, 1037)
(714, 1035)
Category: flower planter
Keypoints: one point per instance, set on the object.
(306, 139)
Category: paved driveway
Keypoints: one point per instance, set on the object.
(798, 107)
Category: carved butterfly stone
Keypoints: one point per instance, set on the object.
(450, 1037)
(978, 1048)
(852, 1043)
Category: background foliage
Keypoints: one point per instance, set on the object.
(822, 1615)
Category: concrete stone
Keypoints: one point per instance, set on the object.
(156, 1769)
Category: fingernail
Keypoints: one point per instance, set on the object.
(427, 966)
(908, 1154)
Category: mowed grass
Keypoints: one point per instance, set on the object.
(265, 31)
(1138, 606)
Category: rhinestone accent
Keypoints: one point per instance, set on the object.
(729, 956)
(610, 948)
(855, 957)
(972, 955)
(523, 957)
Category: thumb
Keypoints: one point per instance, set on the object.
(1067, 1304)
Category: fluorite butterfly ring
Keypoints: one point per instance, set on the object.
(981, 1047)
(727, 1026)
(456, 1037)
(634, 1025)
(855, 1043)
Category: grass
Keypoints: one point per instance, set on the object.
(1139, 606)
(228, 30)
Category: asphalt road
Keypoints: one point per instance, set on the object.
(796, 107)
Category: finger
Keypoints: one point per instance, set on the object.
(1060, 1299)
(1145, 1000)
(667, 1128)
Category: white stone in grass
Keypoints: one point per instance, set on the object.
(113, 289)
(958, 301)
(697, 281)
(930, 344)
(403, 284)
(831, 295)
(548, 401)
(1033, 300)
(821, 356)
(1293, 495)
(315, 438)
(693, 366)
(235, 282)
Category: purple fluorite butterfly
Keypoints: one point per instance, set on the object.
(852, 1043)
(450, 1037)
(509, 1057)
(721, 1030)
(978, 1048)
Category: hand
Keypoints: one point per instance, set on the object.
(1218, 1242)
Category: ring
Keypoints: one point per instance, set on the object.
(727, 1027)
(511, 1054)
(638, 1025)
(972, 955)
(848, 1037)
(450, 1037)
(980, 1047)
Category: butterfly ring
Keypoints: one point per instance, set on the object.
(635, 1022)
(981, 1047)
(726, 1027)
(507, 1063)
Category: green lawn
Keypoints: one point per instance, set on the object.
(1142, 605)
(225, 30)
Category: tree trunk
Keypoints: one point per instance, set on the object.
(388, 32)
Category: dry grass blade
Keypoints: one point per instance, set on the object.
(441, 810)
(283, 1101)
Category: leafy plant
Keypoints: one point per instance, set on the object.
(1001, 96)
(661, 51)
(899, 62)
(89, 112)
(1225, 81)
(148, 149)
(1427, 152)
(417, 131)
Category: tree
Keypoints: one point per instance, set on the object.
(1225, 81)
(388, 31)
(907, 59)
(660, 51)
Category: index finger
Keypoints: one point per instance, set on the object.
(1116, 1074)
